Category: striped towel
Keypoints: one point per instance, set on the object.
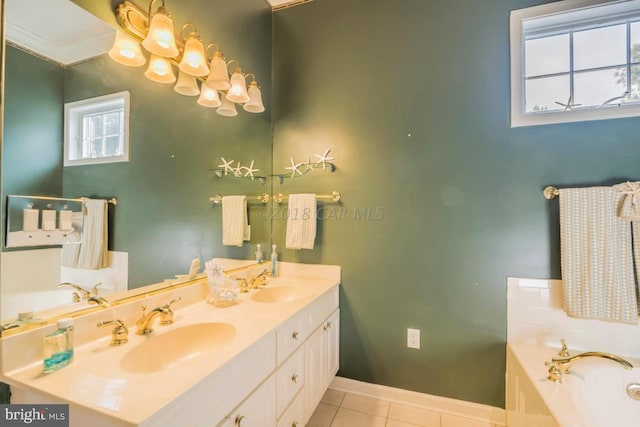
(301, 223)
(596, 256)
(235, 228)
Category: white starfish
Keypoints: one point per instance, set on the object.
(238, 170)
(295, 168)
(569, 105)
(250, 170)
(226, 165)
(309, 165)
(324, 158)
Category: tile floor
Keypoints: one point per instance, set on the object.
(340, 409)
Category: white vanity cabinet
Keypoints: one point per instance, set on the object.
(322, 359)
(258, 410)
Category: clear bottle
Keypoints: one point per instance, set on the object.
(259, 256)
(58, 346)
(274, 261)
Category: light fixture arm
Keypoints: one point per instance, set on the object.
(236, 61)
(206, 52)
(194, 32)
(151, 7)
(252, 75)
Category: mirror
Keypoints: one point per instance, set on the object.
(163, 218)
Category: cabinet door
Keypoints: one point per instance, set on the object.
(314, 370)
(259, 409)
(332, 347)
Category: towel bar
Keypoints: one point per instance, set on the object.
(334, 197)
(263, 198)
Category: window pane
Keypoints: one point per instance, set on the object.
(635, 42)
(634, 93)
(112, 147)
(593, 88)
(600, 47)
(542, 94)
(547, 55)
(113, 123)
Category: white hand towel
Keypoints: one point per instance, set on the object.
(596, 256)
(235, 223)
(301, 223)
(92, 253)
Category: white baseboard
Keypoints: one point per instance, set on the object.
(461, 408)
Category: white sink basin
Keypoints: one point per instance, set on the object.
(282, 294)
(176, 347)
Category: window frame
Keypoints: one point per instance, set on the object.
(518, 82)
(73, 126)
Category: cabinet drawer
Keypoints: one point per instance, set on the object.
(258, 409)
(291, 376)
(294, 415)
(291, 334)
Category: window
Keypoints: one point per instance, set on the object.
(97, 130)
(575, 60)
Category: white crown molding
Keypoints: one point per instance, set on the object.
(66, 55)
(281, 4)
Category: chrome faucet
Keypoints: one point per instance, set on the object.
(145, 322)
(80, 293)
(561, 365)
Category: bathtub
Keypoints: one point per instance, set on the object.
(593, 394)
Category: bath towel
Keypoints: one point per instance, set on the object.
(301, 222)
(596, 256)
(235, 225)
(92, 252)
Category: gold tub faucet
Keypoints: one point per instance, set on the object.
(561, 365)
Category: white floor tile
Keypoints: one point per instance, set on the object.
(322, 416)
(365, 404)
(333, 397)
(413, 415)
(350, 418)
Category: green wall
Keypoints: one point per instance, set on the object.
(32, 153)
(412, 97)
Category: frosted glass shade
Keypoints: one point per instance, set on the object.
(227, 109)
(238, 91)
(255, 104)
(160, 39)
(186, 85)
(193, 60)
(219, 75)
(160, 70)
(209, 97)
(126, 51)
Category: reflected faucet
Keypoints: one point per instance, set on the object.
(82, 294)
(99, 300)
(561, 365)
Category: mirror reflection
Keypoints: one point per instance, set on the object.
(163, 218)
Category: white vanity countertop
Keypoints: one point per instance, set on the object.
(96, 381)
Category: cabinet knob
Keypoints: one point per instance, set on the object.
(327, 325)
(295, 335)
(295, 424)
(294, 378)
(239, 419)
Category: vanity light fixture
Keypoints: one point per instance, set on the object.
(160, 70)
(227, 108)
(160, 39)
(254, 105)
(193, 61)
(209, 97)
(156, 33)
(126, 51)
(238, 91)
(186, 84)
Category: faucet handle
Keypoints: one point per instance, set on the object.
(94, 289)
(166, 317)
(564, 351)
(120, 333)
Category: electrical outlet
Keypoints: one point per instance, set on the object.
(413, 338)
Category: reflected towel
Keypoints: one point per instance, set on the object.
(235, 225)
(596, 256)
(92, 253)
(301, 222)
